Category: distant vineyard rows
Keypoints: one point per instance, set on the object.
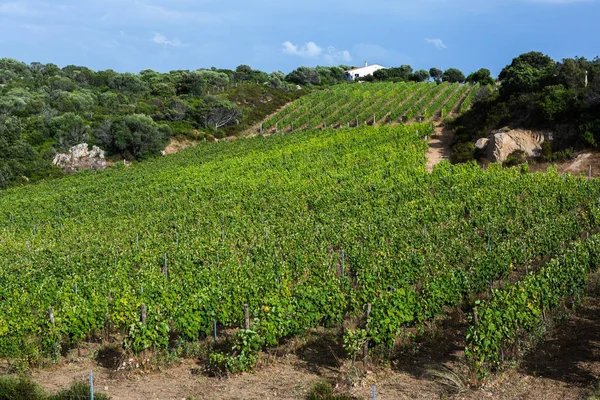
(372, 104)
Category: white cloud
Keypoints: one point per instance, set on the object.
(308, 50)
(159, 38)
(330, 56)
(437, 43)
(335, 56)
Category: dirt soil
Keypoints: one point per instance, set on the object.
(439, 146)
(565, 366)
(177, 144)
(579, 165)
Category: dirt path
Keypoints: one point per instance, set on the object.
(439, 146)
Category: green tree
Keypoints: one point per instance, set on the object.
(483, 76)
(453, 75)
(304, 76)
(436, 74)
(527, 73)
(134, 135)
(68, 130)
(420, 76)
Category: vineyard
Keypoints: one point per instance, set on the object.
(372, 104)
(305, 229)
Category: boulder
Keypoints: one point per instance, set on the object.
(502, 143)
(80, 158)
(481, 144)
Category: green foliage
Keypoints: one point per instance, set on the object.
(510, 314)
(21, 388)
(56, 108)
(354, 342)
(247, 345)
(136, 136)
(515, 158)
(436, 74)
(453, 75)
(79, 390)
(463, 152)
(305, 228)
(304, 76)
(379, 103)
(482, 76)
(527, 73)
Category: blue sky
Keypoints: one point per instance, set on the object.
(132, 35)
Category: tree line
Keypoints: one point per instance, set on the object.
(45, 109)
(537, 92)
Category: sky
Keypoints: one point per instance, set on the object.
(271, 35)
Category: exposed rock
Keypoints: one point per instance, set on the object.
(502, 143)
(482, 143)
(80, 158)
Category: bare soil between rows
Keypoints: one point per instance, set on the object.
(564, 366)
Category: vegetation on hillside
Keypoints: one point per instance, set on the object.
(536, 92)
(305, 229)
(45, 109)
(372, 104)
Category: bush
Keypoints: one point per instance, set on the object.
(245, 354)
(20, 388)
(79, 390)
(517, 157)
(463, 152)
(12, 388)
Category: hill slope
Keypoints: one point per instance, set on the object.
(305, 229)
(372, 104)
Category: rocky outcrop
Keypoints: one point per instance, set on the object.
(500, 144)
(81, 158)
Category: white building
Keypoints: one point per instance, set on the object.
(357, 73)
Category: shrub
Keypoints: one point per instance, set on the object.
(463, 152)
(517, 157)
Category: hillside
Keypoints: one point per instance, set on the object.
(372, 104)
(558, 98)
(306, 229)
(45, 109)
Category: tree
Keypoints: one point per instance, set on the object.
(436, 74)
(215, 113)
(276, 79)
(134, 135)
(420, 76)
(453, 75)
(527, 73)
(304, 76)
(69, 130)
(483, 76)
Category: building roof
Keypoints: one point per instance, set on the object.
(369, 66)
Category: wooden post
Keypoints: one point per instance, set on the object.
(261, 127)
(590, 171)
(343, 266)
(143, 313)
(366, 348)
(475, 317)
(276, 127)
(246, 317)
